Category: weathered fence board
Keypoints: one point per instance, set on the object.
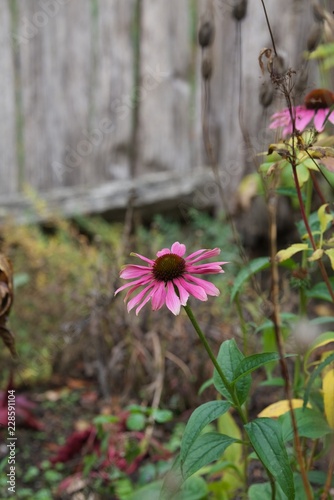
(96, 92)
(112, 89)
(55, 75)
(8, 151)
(165, 107)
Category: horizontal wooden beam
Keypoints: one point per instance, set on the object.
(163, 189)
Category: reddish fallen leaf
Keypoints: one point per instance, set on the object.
(72, 484)
(74, 444)
(23, 406)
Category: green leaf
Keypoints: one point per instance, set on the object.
(194, 488)
(229, 357)
(136, 422)
(206, 449)
(322, 340)
(263, 491)
(322, 320)
(274, 381)
(201, 417)
(254, 362)
(303, 174)
(324, 218)
(314, 375)
(246, 272)
(162, 416)
(205, 385)
(320, 291)
(330, 254)
(310, 423)
(266, 437)
(291, 250)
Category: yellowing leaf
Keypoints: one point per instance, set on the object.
(277, 409)
(323, 339)
(330, 254)
(317, 254)
(328, 391)
(303, 174)
(288, 252)
(324, 218)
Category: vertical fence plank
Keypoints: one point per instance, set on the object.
(55, 73)
(164, 110)
(112, 88)
(8, 156)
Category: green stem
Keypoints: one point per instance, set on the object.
(296, 376)
(304, 263)
(272, 484)
(242, 324)
(226, 383)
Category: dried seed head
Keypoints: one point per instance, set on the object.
(206, 33)
(239, 9)
(301, 80)
(278, 66)
(207, 66)
(314, 37)
(266, 94)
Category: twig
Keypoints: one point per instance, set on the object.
(272, 207)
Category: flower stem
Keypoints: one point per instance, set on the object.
(309, 232)
(220, 372)
(242, 324)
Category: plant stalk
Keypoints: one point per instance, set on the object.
(215, 363)
(309, 232)
(272, 207)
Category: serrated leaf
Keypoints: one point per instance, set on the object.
(290, 251)
(247, 271)
(253, 362)
(266, 437)
(206, 449)
(229, 357)
(328, 391)
(330, 254)
(310, 423)
(201, 417)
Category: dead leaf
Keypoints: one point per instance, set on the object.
(6, 301)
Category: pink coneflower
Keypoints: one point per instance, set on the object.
(303, 116)
(169, 278)
(318, 106)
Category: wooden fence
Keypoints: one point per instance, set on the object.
(101, 99)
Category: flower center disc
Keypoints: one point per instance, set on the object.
(168, 267)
